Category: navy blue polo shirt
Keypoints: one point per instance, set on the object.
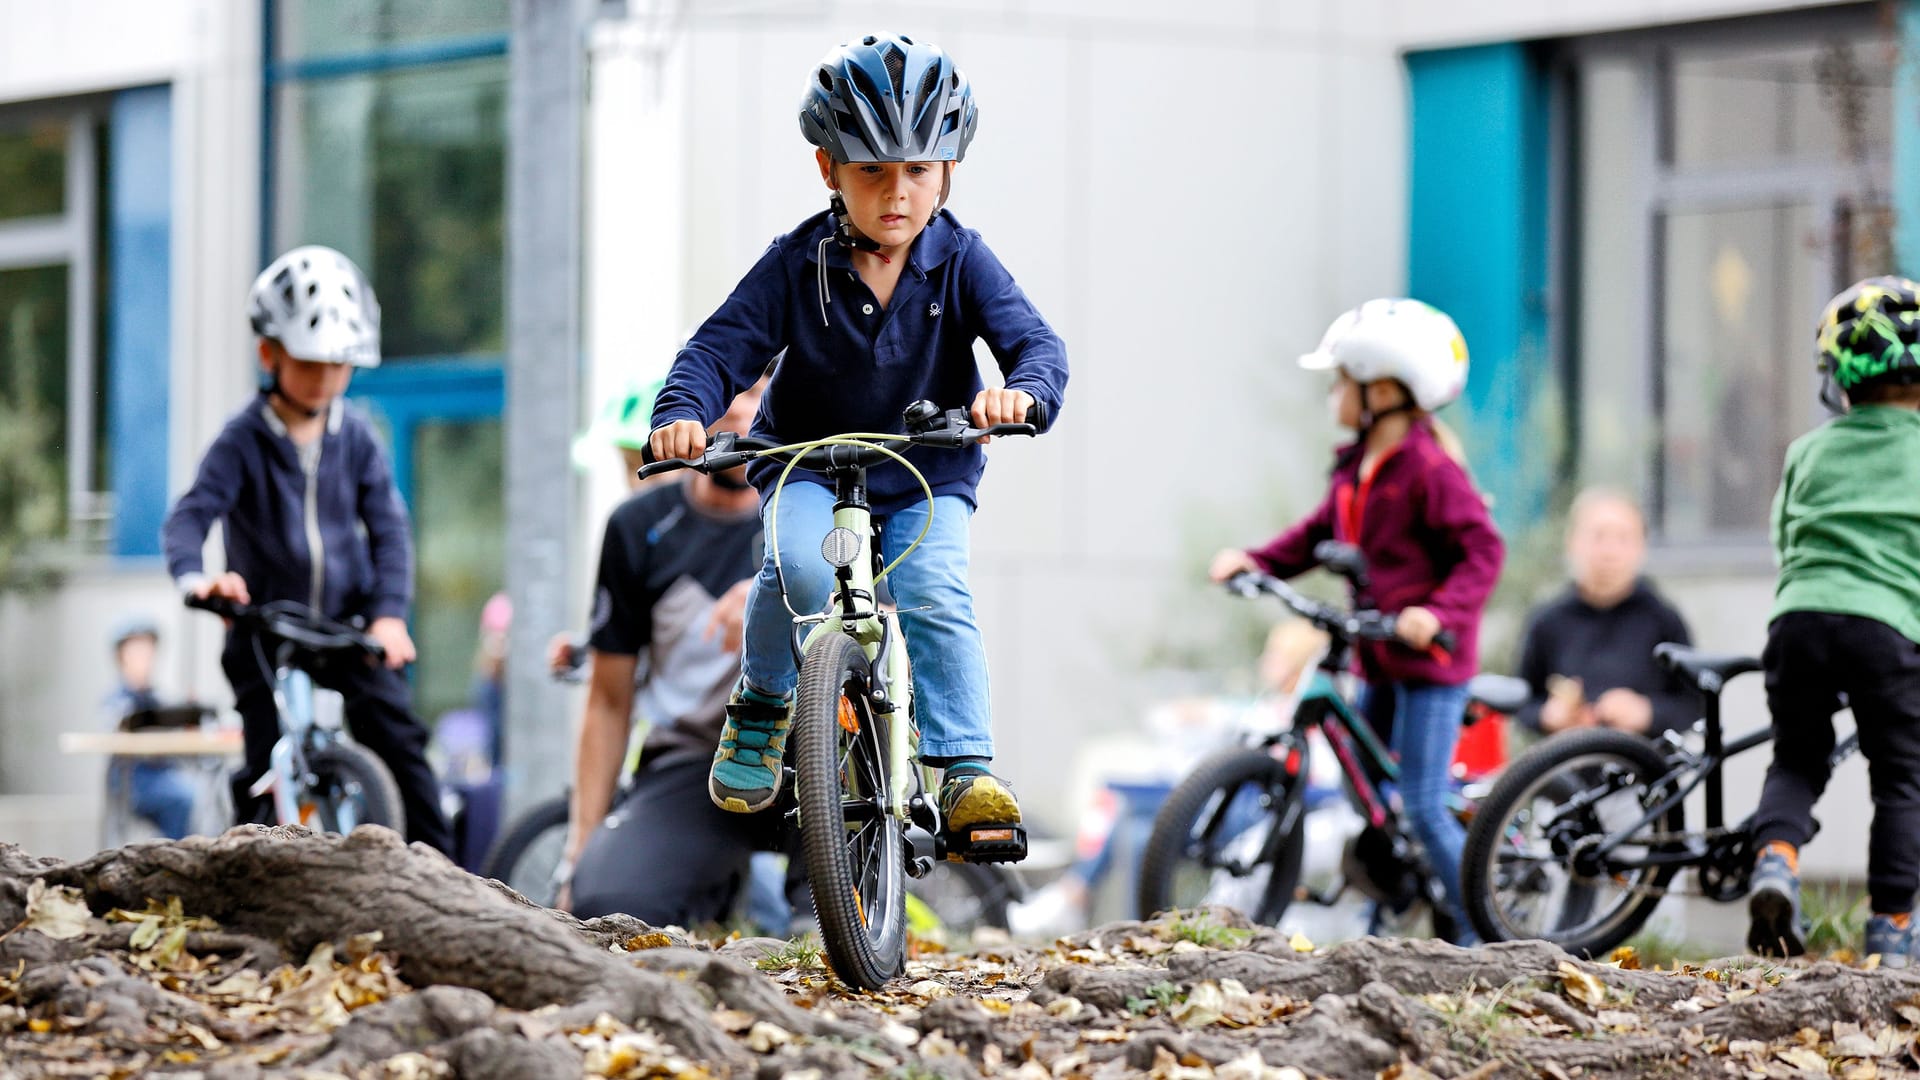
(852, 365)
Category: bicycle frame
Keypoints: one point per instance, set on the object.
(295, 698)
(852, 609)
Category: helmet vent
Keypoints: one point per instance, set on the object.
(314, 321)
(930, 82)
(869, 40)
(826, 80)
(896, 62)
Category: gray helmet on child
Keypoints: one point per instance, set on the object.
(317, 304)
(888, 99)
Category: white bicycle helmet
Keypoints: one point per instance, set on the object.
(317, 304)
(1407, 340)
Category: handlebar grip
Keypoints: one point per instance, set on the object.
(1446, 641)
(1038, 416)
(656, 468)
(1244, 583)
(219, 605)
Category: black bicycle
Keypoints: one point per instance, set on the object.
(1584, 833)
(1233, 831)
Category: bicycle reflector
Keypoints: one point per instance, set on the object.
(841, 546)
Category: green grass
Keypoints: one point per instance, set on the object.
(801, 952)
(1837, 914)
(1204, 932)
(1161, 995)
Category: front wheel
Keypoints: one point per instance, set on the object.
(855, 850)
(349, 786)
(1534, 864)
(1233, 833)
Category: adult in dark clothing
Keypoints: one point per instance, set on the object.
(675, 565)
(1588, 654)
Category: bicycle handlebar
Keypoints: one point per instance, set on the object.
(726, 450)
(292, 622)
(1342, 624)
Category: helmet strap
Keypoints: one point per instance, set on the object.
(1370, 417)
(843, 227)
(946, 188)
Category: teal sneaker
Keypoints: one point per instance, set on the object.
(746, 770)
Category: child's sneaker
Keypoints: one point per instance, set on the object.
(1891, 941)
(746, 766)
(1777, 928)
(981, 816)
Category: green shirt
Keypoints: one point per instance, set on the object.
(1846, 520)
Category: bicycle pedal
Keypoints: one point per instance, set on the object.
(987, 844)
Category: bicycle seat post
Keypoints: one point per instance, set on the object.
(1710, 713)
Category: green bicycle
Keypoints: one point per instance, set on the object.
(858, 784)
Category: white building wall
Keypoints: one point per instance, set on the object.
(55, 667)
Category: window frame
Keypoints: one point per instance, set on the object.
(71, 239)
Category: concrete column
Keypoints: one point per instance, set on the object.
(546, 67)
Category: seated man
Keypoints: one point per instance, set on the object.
(1588, 654)
(675, 565)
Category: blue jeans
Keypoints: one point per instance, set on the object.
(164, 794)
(943, 643)
(1426, 726)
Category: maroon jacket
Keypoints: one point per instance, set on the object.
(1429, 543)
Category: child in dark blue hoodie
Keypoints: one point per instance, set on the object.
(876, 303)
(306, 496)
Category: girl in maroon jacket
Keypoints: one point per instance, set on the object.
(1402, 495)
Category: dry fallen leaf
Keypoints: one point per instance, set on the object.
(1203, 1005)
(1803, 1057)
(57, 911)
(1299, 942)
(1581, 986)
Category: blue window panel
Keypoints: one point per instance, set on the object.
(139, 313)
(1477, 250)
(1906, 143)
(429, 388)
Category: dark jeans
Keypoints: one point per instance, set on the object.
(1813, 658)
(669, 857)
(379, 715)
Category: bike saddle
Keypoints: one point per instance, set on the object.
(1501, 693)
(1708, 671)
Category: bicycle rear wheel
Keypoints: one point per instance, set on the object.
(1214, 840)
(1531, 869)
(528, 856)
(855, 852)
(350, 787)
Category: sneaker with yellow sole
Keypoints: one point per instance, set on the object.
(981, 816)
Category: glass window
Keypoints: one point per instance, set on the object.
(331, 27)
(33, 401)
(1736, 316)
(405, 172)
(461, 552)
(1787, 103)
(1723, 191)
(33, 170)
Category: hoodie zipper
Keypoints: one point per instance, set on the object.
(316, 550)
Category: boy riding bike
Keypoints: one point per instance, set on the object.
(311, 514)
(1846, 617)
(1401, 494)
(877, 302)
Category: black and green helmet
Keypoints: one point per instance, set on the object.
(1870, 334)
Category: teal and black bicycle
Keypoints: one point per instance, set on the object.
(858, 784)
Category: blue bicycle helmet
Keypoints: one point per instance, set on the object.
(888, 99)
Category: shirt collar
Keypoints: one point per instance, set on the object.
(936, 243)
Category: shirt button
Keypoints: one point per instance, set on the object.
(866, 309)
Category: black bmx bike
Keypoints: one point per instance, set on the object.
(1587, 830)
